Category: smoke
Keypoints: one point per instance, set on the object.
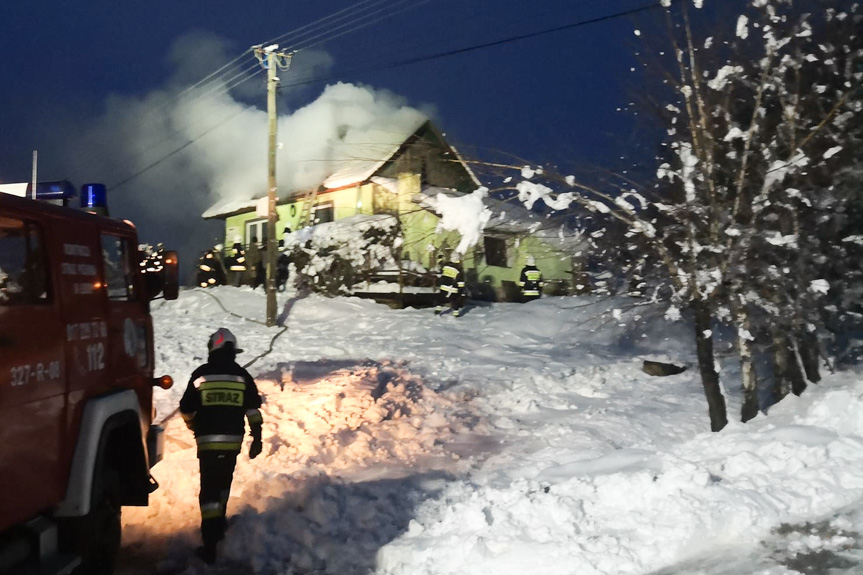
(172, 154)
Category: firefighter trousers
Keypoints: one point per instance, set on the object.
(217, 472)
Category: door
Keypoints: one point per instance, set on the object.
(32, 373)
(128, 324)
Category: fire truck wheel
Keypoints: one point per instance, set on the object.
(96, 536)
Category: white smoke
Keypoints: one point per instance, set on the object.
(170, 155)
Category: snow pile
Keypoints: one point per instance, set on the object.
(517, 439)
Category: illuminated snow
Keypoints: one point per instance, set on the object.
(520, 438)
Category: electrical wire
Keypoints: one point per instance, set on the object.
(354, 15)
(475, 47)
(176, 151)
(300, 34)
(416, 60)
(364, 22)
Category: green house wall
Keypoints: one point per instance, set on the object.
(425, 159)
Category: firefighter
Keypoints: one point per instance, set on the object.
(530, 281)
(282, 270)
(451, 286)
(153, 267)
(254, 264)
(238, 265)
(219, 395)
(211, 272)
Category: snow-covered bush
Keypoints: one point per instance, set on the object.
(330, 258)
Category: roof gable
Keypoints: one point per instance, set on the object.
(391, 150)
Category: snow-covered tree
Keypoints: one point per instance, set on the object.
(750, 220)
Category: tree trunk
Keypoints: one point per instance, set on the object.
(787, 373)
(749, 409)
(707, 367)
(809, 352)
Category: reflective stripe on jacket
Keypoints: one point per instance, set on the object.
(530, 281)
(451, 280)
(220, 396)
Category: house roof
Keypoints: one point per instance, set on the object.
(370, 157)
(360, 166)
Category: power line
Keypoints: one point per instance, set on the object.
(357, 17)
(420, 59)
(475, 47)
(178, 150)
(365, 22)
(221, 81)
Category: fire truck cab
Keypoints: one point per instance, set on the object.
(76, 385)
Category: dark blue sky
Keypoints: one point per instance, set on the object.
(549, 98)
(546, 97)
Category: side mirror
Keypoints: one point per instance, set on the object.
(171, 287)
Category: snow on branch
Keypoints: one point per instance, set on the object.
(466, 214)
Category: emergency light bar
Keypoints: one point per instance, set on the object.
(94, 199)
(56, 192)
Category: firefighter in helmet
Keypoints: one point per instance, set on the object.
(530, 280)
(238, 265)
(211, 270)
(219, 396)
(451, 286)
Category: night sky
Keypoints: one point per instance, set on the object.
(552, 97)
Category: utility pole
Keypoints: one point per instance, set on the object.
(272, 60)
(33, 189)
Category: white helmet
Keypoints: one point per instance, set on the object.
(221, 338)
(455, 258)
(530, 260)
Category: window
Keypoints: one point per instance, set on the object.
(23, 272)
(257, 229)
(495, 252)
(118, 269)
(322, 213)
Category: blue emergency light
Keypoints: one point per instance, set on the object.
(94, 199)
(59, 192)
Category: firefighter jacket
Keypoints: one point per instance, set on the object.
(530, 281)
(238, 264)
(451, 279)
(211, 271)
(219, 396)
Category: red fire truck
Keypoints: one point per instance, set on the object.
(76, 384)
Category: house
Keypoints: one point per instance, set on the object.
(397, 179)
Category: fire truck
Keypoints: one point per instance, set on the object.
(77, 439)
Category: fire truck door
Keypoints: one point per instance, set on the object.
(32, 373)
(127, 352)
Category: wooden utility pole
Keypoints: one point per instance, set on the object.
(272, 60)
(33, 189)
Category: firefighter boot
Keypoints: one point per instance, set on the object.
(207, 553)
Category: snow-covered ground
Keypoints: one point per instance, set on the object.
(515, 439)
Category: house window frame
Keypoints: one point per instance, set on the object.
(494, 255)
(327, 206)
(257, 224)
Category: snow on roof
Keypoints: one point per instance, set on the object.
(364, 160)
(228, 207)
(369, 157)
(510, 218)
